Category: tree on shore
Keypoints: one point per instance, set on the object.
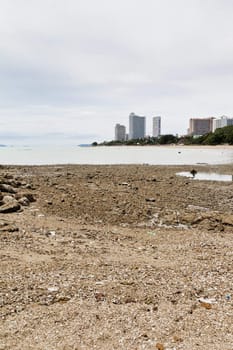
(218, 137)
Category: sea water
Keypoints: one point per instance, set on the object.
(154, 155)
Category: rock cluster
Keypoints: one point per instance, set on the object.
(14, 194)
(138, 196)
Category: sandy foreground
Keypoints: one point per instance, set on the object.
(115, 257)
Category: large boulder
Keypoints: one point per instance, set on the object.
(10, 207)
(27, 195)
(6, 199)
(7, 188)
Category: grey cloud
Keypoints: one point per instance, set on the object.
(111, 58)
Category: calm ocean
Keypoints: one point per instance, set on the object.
(158, 155)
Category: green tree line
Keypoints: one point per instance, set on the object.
(219, 137)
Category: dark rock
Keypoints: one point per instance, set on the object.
(29, 196)
(7, 188)
(10, 207)
(24, 201)
(6, 226)
(17, 184)
(9, 177)
(28, 186)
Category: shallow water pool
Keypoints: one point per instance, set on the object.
(207, 176)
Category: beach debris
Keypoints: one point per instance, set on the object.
(207, 303)
(50, 233)
(151, 233)
(53, 289)
(197, 208)
(152, 200)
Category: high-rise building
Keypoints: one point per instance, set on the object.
(156, 127)
(200, 126)
(137, 126)
(120, 132)
(221, 122)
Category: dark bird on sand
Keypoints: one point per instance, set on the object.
(193, 172)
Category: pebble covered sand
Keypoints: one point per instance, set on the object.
(115, 257)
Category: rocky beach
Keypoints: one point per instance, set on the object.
(115, 257)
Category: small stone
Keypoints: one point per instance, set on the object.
(177, 339)
(99, 296)
(6, 226)
(28, 186)
(24, 201)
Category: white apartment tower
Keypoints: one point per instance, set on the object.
(156, 126)
(120, 132)
(137, 126)
(221, 122)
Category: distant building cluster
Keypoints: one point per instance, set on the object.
(137, 128)
(197, 127)
(202, 126)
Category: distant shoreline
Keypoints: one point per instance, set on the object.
(225, 146)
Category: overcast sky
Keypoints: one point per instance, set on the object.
(71, 69)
